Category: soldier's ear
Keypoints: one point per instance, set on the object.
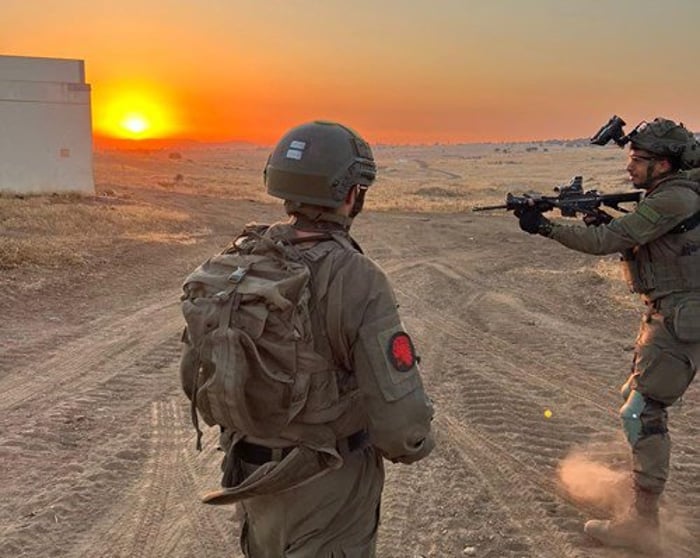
(665, 165)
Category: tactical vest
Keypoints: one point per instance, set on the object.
(645, 274)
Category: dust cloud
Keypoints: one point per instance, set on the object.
(598, 476)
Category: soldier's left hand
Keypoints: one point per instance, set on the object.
(531, 220)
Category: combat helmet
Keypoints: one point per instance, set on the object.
(666, 138)
(317, 163)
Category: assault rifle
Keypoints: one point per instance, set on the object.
(571, 199)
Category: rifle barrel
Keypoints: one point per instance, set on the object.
(489, 207)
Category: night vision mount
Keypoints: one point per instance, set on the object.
(612, 130)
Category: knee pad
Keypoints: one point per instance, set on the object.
(631, 415)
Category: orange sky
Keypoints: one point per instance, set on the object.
(399, 71)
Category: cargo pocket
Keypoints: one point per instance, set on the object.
(663, 376)
(362, 549)
(686, 321)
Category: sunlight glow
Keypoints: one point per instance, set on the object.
(135, 123)
(134, 113)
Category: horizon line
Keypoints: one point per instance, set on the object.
(165, 142)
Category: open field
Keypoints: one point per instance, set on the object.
(96, 449)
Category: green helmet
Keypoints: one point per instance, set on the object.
(663, 137)
(317, 163)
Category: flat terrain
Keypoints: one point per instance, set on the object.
(97, 455)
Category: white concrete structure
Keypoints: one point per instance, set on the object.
(45, 126)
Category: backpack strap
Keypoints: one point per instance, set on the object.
(347, 241)
(196, 364)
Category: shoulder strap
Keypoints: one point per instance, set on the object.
(688, 225)
(346, 241)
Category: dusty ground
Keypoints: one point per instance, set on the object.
(97, 455)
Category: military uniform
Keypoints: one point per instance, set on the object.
(660, 247)
(314, 488)
(663, 266)
(374, 395)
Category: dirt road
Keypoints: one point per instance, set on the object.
(97, 451)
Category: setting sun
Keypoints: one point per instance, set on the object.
(135, 123)
(130, 112)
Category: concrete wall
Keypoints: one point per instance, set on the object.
(45, 126)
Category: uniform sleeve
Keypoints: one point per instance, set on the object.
(383, 358)
(655, 216)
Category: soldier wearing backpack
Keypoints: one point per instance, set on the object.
(294, 347)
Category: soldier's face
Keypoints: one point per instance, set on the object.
(644, 167)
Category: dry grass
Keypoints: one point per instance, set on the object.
(52, 231)
(457, 178)
(231, 173)
(59, 230)
(447, 178)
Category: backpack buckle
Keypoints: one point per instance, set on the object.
(238, 275)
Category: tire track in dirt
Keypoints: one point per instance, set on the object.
(91, 397)
(477, 482)
(430, 319)
(83, 357)
(90, 438)
(160, 514)
(407, 530)
(403, 491)
(594, 381)
(497, 434)
(529, 505)
(501, 380)
(102, 462)
(543, 364)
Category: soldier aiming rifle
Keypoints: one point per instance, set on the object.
(660, 245)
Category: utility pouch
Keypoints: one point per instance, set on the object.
(631, 272)
(686, 321)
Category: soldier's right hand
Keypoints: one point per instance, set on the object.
(597, 218)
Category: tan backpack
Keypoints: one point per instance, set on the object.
(247, 314)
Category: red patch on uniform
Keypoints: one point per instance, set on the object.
(402, 355)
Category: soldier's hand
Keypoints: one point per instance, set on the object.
(532, 221)
(597, 218)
